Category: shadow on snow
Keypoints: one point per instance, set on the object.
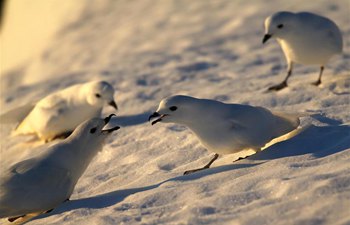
(320, 141)
(131, 120)
(114, 197)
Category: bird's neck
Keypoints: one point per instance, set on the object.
(76, 156)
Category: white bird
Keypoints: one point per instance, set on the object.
(59, 113)
(38, 185)
(305, 38)
(224, 128)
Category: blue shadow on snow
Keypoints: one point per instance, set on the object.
(131, 120)
(114, 197)
(320, 141)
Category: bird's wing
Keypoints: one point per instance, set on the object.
(54, 106)
(251, 117)
(257, 124)
(236, 124)
(285, 122)
(53, 103)
(24, 166)
(52, 176)
(39, 167)
(244, 117)
(32, 174)
(34, 184)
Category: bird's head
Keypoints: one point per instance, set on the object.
(100, 93)
(279, 25)
(175, 109)
(93, 131)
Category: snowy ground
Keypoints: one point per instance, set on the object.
(211, 49)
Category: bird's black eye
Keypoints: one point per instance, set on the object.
(173, 108)
(93, 130)
(279, 26)
(98, 95)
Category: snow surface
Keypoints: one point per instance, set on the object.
(151, 49)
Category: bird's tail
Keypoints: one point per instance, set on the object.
(23, 128)
(16, 115)
(286, 122)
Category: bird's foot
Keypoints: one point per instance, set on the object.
(277, 87)
(13, 219)
(316, 83)
(23, 219)
(240, 158)
(195, 170)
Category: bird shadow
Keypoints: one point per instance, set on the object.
(131, 120)
(321, 118)
(319, 141)
(114, 197)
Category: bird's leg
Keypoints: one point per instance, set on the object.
(318, 82)
(240, 158)
(12, 219)
(216, 156)
(283, 84)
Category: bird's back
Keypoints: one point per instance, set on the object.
(58, 113)
(324, 29)
(314, 39)
(229, 128)
(261, 125)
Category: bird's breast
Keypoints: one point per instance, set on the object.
(218, 139)
(309, 50)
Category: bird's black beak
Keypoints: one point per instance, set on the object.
(113, 104)
(108, 118)
(155, 115)
(266, 38)
(111, 129)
